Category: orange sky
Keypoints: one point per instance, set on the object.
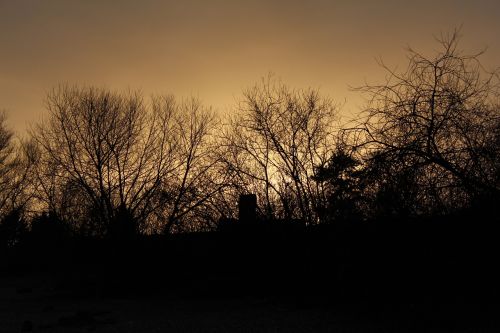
(214, 49)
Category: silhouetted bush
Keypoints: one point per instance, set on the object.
(49, 231)
(13, 229)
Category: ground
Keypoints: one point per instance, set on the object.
(33, 303)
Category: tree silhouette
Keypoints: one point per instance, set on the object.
(274, 144)
(187, 193)
(437, 118)
(12, 228)
(16, 166)
(103, 155)
(342, 177)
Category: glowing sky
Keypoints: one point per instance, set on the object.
(214, 49)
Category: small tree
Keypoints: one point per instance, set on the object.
(342, 179)
(12, 228)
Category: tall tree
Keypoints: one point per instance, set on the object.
(274, 144)
(188, 192)
(104, 156)
(436, 117)
(15, 168)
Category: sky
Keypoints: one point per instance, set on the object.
(214, 49)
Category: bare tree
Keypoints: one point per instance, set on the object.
(15, 180)
(101, 147)
(15, 171)
(188, 191)
(7, 165)
(436, 117)
(105, 157)
(274, 144)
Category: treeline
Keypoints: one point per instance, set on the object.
(104, 163)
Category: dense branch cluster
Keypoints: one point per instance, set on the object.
(107, 163)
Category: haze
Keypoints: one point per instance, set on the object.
(214, 49)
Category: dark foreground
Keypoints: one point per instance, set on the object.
(32, 305)
(432, 276)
